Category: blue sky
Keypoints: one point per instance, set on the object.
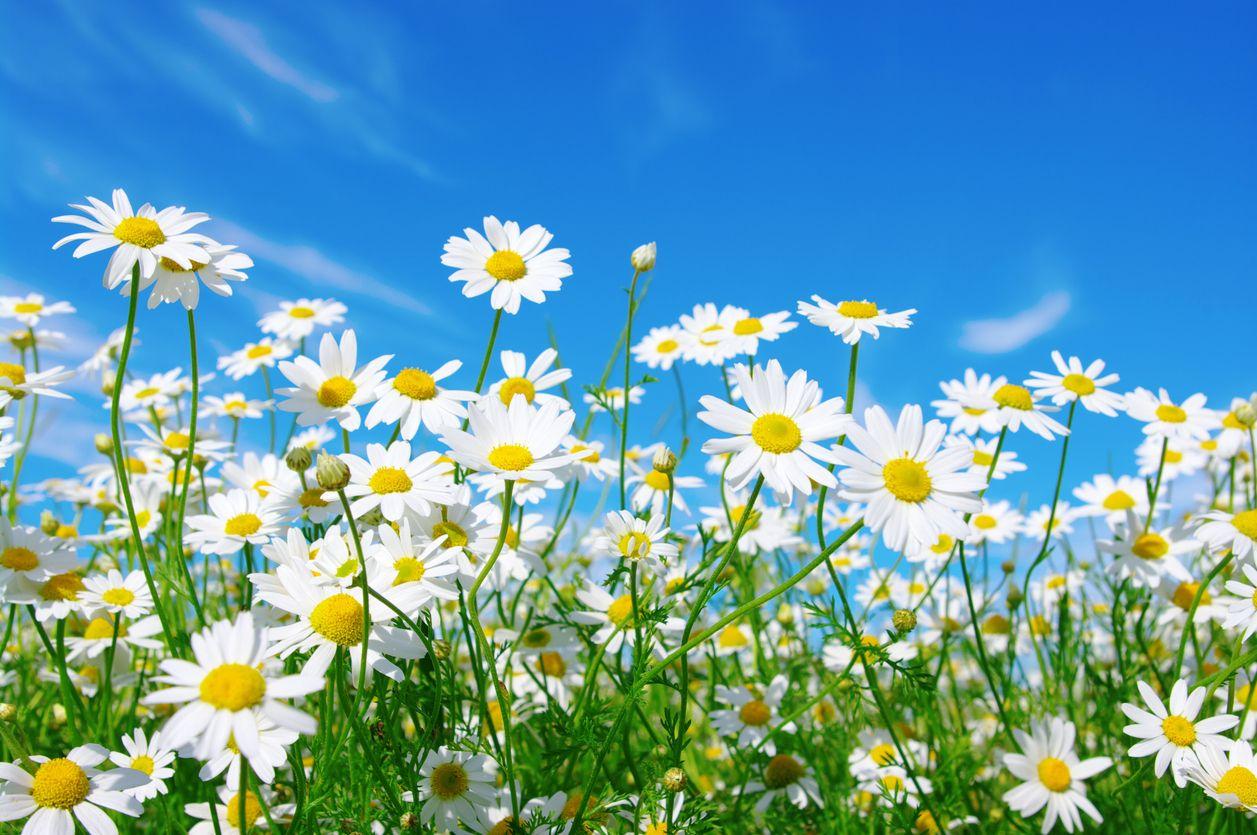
(1080, 178)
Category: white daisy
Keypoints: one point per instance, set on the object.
(1222, 530)
(264, 353)
(17, 383)
(748, 331)
(1017, 406)
(968, 403)
(753, 714)
(172, 281)
(1242, 609)
(1052, 775)
(1163, 418)
(115, 594)
(431, 565)
(996, 522)
(1148, 556)
(234, 405)
(1074, 382)
(661, 347)
(530, 381)
(625, 536)
(1174, 734)
(515, 442)
(1112, 497)
(455, 786)
(295, 321)
(28, 553)
(514, 265)
(32, 307)
(413, 398)
(147, 756)
(613, 397)
(235, 517)
(390, 480)
(853, 319)
(708, 335)
(67, 788)
(334, 387)
(1231, 779)
(785, 775)
(983, 453)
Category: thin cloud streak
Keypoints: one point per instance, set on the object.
(999, 336)
(248, 42)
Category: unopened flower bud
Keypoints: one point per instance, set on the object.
(1008, 566)
(674, 780)
(298, 459)
(48, 523)
(1247, 414)
(331, 472)
(107, 381)
(643, 258)
(1015, 597)
(904, 620)
(104, 443)
(665, 461)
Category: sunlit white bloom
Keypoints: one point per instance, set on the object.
(1180, 459)
(147, 756)
(29, 554)
(753, 713)
(100, 633)
(234, 405)
(390, 480)
(264, 353)
(661, 347)
(413, 397)
(514, 265)
(65, 789)
(996, 522)
(1017, 406)
(914, 489)
(271, 755)
(853, 319)
(625, 536)
(295, 321)
(613, 397)
(1231, 779)
(652, 489)
(530, 380)
(1147, 556)
(1163, 418)
(1060, 516)
(748, 331)
(235, 518)
(1074, 382)
(983, 454)
(1221, 530)
(141, 237)
(708, 335)
(1052, 775)
(1242, 609)
(455, 786)
(173, 281)
(115, 594)
(430, 565)
(17, 383)
(1174, 734)
(969, 403)
(155, 392)
(588, 459)
(32, 307)
(515, 442)
(785, 775)
(1112, 497)
(334, 387)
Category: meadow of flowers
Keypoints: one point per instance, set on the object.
(439, 594)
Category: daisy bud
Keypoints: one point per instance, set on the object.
(298, 459)
(643, 258)
(1247, 414)
(104, 443)
(22, 340)
(904, 620)
(674, 780)
(331, 472)
(665, 461)
(58, 715)
(48, 523)
(107, 382)
(1008, 566)
(1015, 597)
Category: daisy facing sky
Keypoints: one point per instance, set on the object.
(509, 264)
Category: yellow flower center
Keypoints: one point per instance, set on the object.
(1246, 523)
(982, 459)
(777, 434)
(996, 625)
(984, 521)
(667, 346)
(18, 558)
(925, 823)
(177, 440)
(312, 498)
(657, 480)
(409, 570)
(246, 524)
(907, 480)
(13, 372)
(233, 687)
(634, 544)
(415, 384)
(1178, 730)
(755, 713)
(1150, 546)
(146, 393)
(252, 811)
(591, 456)
(857, 310)
(781, 771)
(27, 307)
(512, 457)
(732, 637)
(143, 763)
(656, 828)
(170, 265)
(1118, 500)
(1173, 456)
(455, 536)
(118, 597)
(1169, 413)
(101, 629)
(1185, 593)
(141, 231)
(1054, 774)
(1014, 397)
(449, 780)
(506, 265)
(62, 587)
(255, 352)
(65, 531)
(747, 327)
(893, 783)
(512, 386)
(300, 312)
(390, 480)
(336, 391)
(1240, 782)
(536, 638)
(620, 612)
(716, 333)
(1079, 384)
(339, 619)
(60, 784)
(882, 754)
(552, 664)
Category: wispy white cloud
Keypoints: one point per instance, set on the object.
(248, 41)
(998, 336)
(319, 268)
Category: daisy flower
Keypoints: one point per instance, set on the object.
(235, 406)
(914, 490)
(983, 453)
(227, 690)
(141, 237)
(753, 713)
(1221, 530)
(748, 331)
(260, 474)
(512, 443)
(996, 522)
(28, 553)
(147, 756)
(662, 347)
(264, 353)
(100, 633)
(1242, 609)
(1181, 459)
(588, 459)
(785, 775)
(413, 398)
(116, 594)
(708, 335)
(67, 788)
(777, 435)
(1149, 556)
(16, 382)
(334, 387)
(29, 309)
(1231, 779)
(613, 397)
(625, 536)
(1163, 418)
(235, 518)
(430, 565)
(295, 321)
(514, 265)
(226, 817)
(172, 281)
(853, 319)
(1073, 382)
(390, 480)
(1061, 518)
(767, 529)
(652, 489)
(155, 392)
(1052, 775)
(1112, 497)
(455, 785)
(612, 615)
(968, 403)
(1018, 407)
(530, 381)
(273, 744)
(1174, 734)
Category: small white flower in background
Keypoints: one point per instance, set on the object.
(747, 331)
(234, 405)
(1174, 734)
(228, 689)
(613, 397)
(752, 714)
(1163, 418)
(530, 381)
(1074, 382)
(147, 756)
(785, 775)
(172, 281)
(1052, 775)
(29, 309)
(1017, 406)
(1148, 556)
(914, 489)
(334, 387)
(225, 817)
(454, 786)
(661, 347)
(708, 335)
(643, 258)
(1111, 497)
(514, 265)
(264, 353)
(16, 382)
(114, 594)
(390, 480)
(853, 319)
(432, 565)
(1221, 530)
(66, 788)
(967, 403)
(625, 536)
(414, 397)
(295, 321)
(777, 435)
(1242, 609)
(983, 452)
(235, 517)
(141, 237)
